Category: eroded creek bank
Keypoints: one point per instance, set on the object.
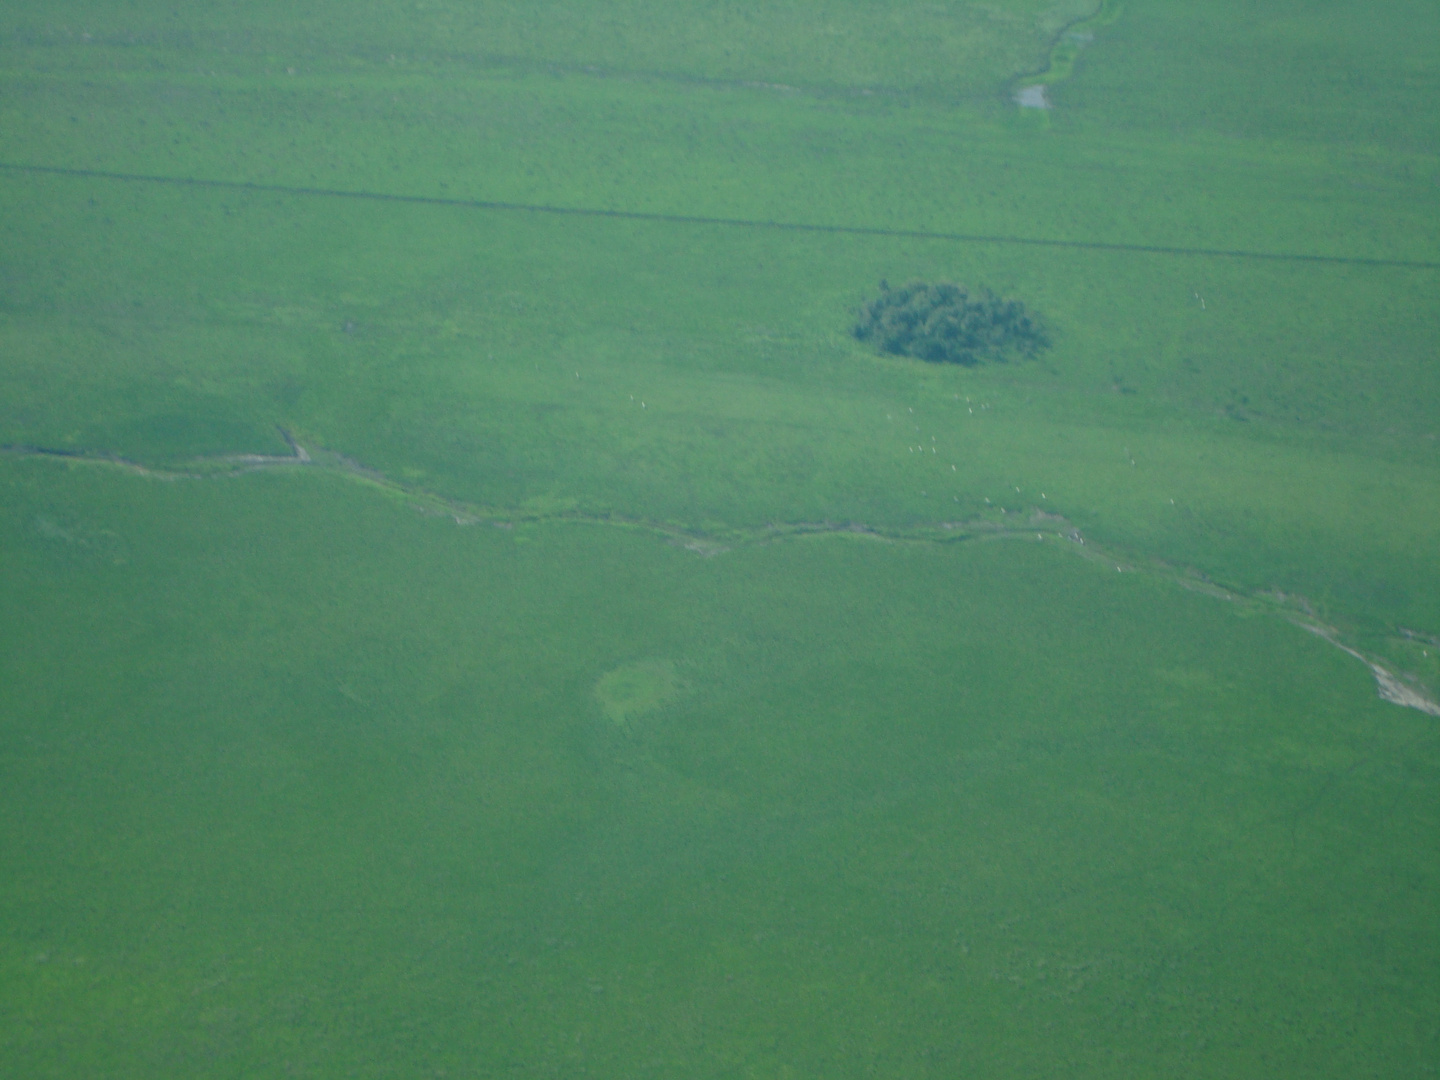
(1033, 525)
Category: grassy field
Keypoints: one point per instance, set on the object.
(296, 777)
(334, 793)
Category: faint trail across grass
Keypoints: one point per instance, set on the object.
(739, 223)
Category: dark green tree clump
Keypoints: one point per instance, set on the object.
(947, 323)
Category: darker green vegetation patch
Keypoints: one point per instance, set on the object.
(947, 323)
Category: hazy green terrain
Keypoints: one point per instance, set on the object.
(643, 678)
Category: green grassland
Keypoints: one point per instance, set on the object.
(504, 360)
(296, 777)
(336, 792)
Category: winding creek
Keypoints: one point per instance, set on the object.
(1031, 91)
(1034, 526)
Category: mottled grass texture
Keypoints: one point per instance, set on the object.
(297, 778)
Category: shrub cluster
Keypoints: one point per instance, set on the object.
(949, 324)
